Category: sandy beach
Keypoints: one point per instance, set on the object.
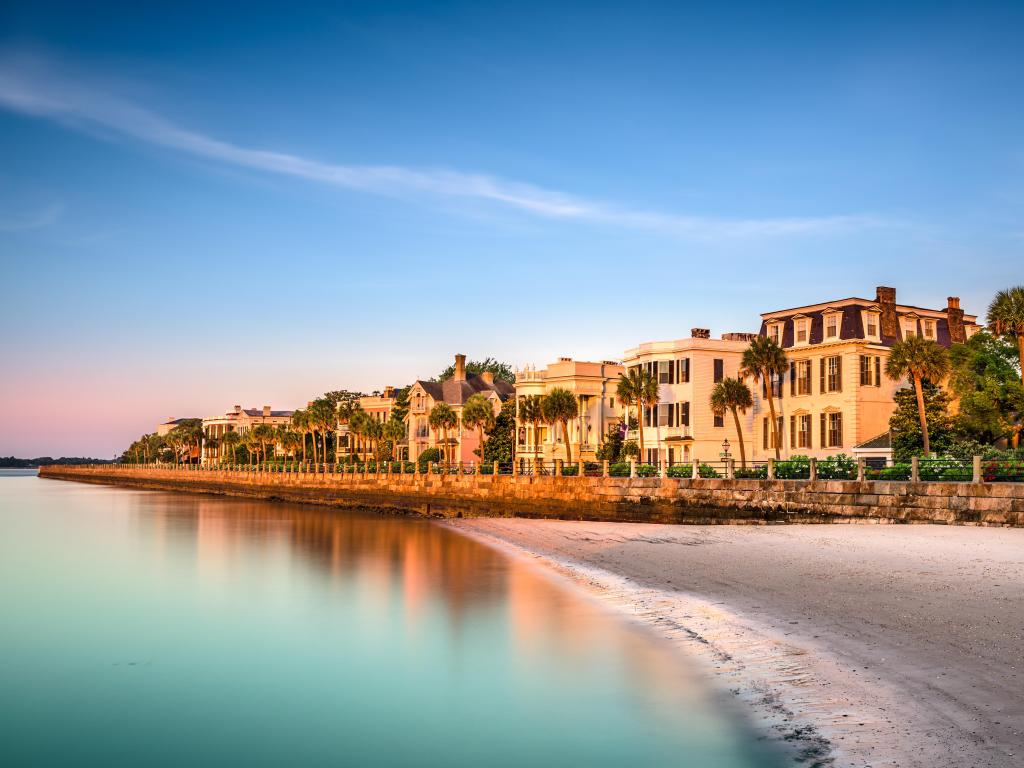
(866, 645)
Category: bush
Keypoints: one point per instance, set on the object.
(1003, 471)
(427, 458)
(752, 473)
(795, 468)
(630, 449)
(680, 470)
(895, 472)
(618, 470)
(570, 470)
(706, 470)
(593, 467)
(646, 470)
(839, 467)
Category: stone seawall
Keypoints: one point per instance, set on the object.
(653, 500)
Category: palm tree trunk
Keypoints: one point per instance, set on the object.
(568, 447)
(739, 436)
(921, 414)
(771, 410)
(1020, 353)
(640, 426)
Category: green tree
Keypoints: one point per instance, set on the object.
(918, 358)
(229, 440)
(300, 423)
(984, 377)
(733, 395)
(441, 419)
(358, 424)
(502, 434)
(401, 408)
(478, 414)
(395, 432)
(531, 411)
(560, 407)
(638, 387)
(905, 422)
(1006, 318)
(611, 448)
(764, 361)
(323, 416)
(264, 435)
(500, 370)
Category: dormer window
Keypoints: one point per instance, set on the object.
(775, 332)
(872, 325)
(929, 329)
(832, 325)
(909, 327)
(802, 329)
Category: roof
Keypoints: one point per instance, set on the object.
(177, 421)
(259, 412)
(879, 442)
(457, 392)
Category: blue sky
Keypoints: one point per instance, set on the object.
(202, 206)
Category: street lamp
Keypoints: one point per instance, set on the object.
(725, 449)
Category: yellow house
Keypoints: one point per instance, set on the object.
(594, 386)
(836, 395)
(239, 420)
(682, 426)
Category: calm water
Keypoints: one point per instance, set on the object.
(142, 628)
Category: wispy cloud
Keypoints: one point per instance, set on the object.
(35, 87)
(19, 222)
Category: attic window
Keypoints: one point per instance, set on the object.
(832, 326)
(802, 326)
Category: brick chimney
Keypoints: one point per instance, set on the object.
(266, 411)
(955, 318)
(488, 378)
(389, 392)
(886, 298)
(460, 368)
(700, 333)
(238, 409)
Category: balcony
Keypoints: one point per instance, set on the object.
(676, 433)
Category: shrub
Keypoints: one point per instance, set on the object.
(427, 458)
(646, 470)
(630, 449)
(752, 473)
(680, 470)
(618, 470)
(839, 467)
(895, 472)
(706, 470)
(795, 468)
(570, 470)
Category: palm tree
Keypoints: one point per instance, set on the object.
(346, 409)
(918, 358)
(560, 407)
(250, 443)
(230, 440)
(374, 432)
(638, 387)
(1006, 318)
(478, 414)
(442, 418)
(322, 416)
(395, 431)
(264, 435)
(733, 395)
(531, 410)
(300, 423)
(762, 361)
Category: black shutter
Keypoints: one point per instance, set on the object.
(672, 372)
(824, 431)
(764, 437)
(839, 429)
(878, 371)
(792, 431)
(822, 390)
(839, 373)
(686, 414)
(792, 378)
(686, 366)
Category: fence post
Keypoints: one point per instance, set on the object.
(604, 468)
(771, 469)
(915, 469)
(515, 465)
(558, 467)
(860, 469)
(977, 470)
(497, 469)
(696, 470)
(730, 469)
(663, 470)
(632, 467)
(813, 469)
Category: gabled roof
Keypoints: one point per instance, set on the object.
(882, 441)
(457, 392)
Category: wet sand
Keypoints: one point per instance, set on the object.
(867, 645)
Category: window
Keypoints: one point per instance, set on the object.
(683, 375)
(802, 377)
(685, 416)
(870, 371)
(871, 326)
(801, 331)
(774, 333)
(803, 438)
(831, 374)
(835, 430)
(611, 402)
(929, 329)
(665, 371)
(719, 419)
(666, 414)
(909, 328)
(719, 369)
(832, 326)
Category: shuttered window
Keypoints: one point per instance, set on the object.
(835, 430)
(824, 432)
(664, 371)
(719, 369)
(792, 431)
(804, 438)
(686, 414)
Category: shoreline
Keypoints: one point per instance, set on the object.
(845, 689)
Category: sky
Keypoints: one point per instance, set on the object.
(207, 204)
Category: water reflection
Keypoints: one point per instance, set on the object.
(329, 637)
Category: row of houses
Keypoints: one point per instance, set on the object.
(835, 397)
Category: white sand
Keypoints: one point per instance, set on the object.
(868, 645)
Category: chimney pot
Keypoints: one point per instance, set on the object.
(460, 368)
(266, 410)
(953, 302)
(700, 333)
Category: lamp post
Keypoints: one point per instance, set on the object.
(725, 449)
